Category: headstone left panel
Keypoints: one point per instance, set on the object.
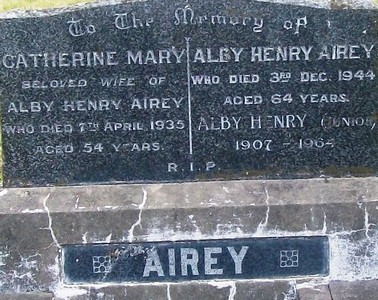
(66, 118)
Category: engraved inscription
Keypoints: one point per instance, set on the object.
(128, 20)
(78, 28)
(187, 16)
(195, 92)
(196, 260)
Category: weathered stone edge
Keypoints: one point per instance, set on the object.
(190, 195)
(327, 4)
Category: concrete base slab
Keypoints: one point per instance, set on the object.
(27, 296)
(219, 290)
(36, 222)
(316, 293)
(366, 290)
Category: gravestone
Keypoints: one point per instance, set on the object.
(155, 92)
(187, 142)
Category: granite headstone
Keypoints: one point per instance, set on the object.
(167, 90)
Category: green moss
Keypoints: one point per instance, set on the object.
(1, 158)
(6, 5)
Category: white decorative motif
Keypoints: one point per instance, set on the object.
(101, 264)
(289, 258)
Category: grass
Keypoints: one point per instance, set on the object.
(1, 159)
(6, 5)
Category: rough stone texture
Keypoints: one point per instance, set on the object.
(316, 293)
(245, 290)
(354, 290)
(126, 292)
(27, 296)
(67, 119)
(35, 222)
(27, 254)
(280, 290)
(220, 290)
(205, 291)
(334, 4)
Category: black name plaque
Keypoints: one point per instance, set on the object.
(196, 260)
(175, 90)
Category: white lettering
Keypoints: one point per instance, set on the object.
(153, 264)
(210, 260)
(238, 257)
(189, 258)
